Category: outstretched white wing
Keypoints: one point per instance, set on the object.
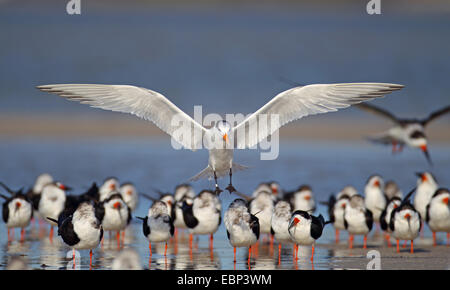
(299, 102)
(144, 103)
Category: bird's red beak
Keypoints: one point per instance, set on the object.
(424, 148)
(296, 221)
(445, 200)
(274, 190)
(117, 205)
(62, 186)
(407, 216)
(395, 206)
(18, 204)
(343, 205)
(424, 177)
(112, 186)
(129, 192)
(377, 183)
(307, 197)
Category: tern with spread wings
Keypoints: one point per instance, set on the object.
(410, 132)
(287, 106)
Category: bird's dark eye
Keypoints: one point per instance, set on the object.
(417, 135)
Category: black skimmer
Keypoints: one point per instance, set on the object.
(202, 215)
(405, 222)
(426, 187)
(438, 214)
(17, 212)
(117, 215)
(336, 209)
(358, 220)
(110, 186)
(281, 216)
(130, 195)
(158, 225)
(385, 217)
(392, 190)
(305, 229)
(220, 140)
(302, 199)
(410, 132)
(262, 206)
(375, 200)
(242, 226)
(182, 192)
(82, 229)
(52, 203)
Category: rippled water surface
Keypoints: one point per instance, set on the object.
(327, 167)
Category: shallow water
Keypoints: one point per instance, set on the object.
(327, 167)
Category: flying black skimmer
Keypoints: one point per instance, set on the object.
(409, 132)
(220, 139)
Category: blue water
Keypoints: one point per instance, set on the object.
(221, 56)
(153, 164)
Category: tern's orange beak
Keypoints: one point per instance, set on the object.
(424, 177)
(62, 186)
(377, 183)
(18, 204)
(225, 138)
(445, 200)
(307, 197)
(117, 205)
(407, 216)
(296, 221)
(395, 206)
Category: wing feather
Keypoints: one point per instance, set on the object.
(144, 103)
(300, 102)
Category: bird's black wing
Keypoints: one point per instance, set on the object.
(369, 219)
(317, 224)
(383, 223)
(66, 231)
(145, 228)
(5, 211)
(378, 111)
(99, 210)
(391, 222)
(435, 115)
(189, 219)
(254, 225)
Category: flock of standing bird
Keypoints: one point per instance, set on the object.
(285, 217)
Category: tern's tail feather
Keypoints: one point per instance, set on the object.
(209, 173)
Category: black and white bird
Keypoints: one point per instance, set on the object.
(52, 203)
(117, 215)
(409, 132)
(182, 192)
(242, 226)
(426, 188)
(358, 220)
(110, 186)
(374, 199)
(222, 138)
(305, 229)
(302, 199)
(130, 195)
(202, 215)
(392, 190)
(17, 212)
(158, 225)
(336, 209)
(385, 217)
(81, 229)
(405, 223)
(262, 206)
(34, 193)
(281, 216)
(438, 214)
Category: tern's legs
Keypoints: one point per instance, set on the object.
(230, 187)
(218, 190)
